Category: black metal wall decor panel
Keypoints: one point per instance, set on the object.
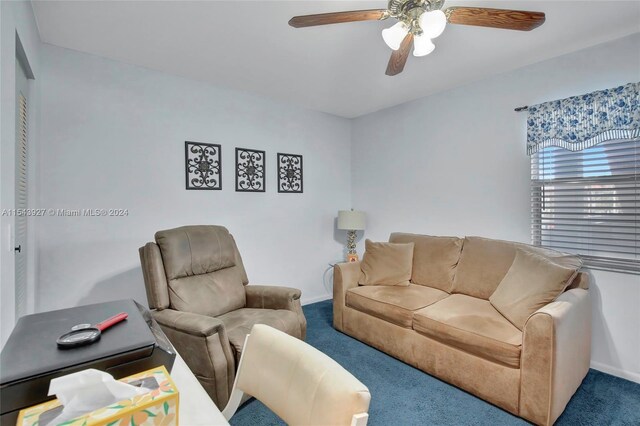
(203, 165)
(250, 170)
(289, 173)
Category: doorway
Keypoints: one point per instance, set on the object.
(23, 73)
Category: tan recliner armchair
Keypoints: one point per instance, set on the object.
(197, 288)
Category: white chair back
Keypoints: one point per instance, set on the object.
(297, 382)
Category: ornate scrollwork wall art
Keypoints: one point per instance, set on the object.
(250, 174)
(203, 165)
(289, 173)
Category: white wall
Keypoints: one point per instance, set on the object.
(16, 18)
(455, 164)
(113, 137)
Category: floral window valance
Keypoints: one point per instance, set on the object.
(581, 122)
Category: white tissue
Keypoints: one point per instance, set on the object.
(86, 391)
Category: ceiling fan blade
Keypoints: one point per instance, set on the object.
(338, 17)
(399, 57)
(521, 20)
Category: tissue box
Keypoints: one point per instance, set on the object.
(158, 407)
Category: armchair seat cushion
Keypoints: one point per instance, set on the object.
(472, 325)
(238, 324)
(395, 304)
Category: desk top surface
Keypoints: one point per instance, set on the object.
(32, 349)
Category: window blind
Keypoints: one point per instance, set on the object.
(587, 202)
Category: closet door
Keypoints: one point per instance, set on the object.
(22, 129)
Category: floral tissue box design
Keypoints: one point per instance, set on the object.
(158, 407)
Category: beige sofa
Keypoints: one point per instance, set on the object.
(444, 324)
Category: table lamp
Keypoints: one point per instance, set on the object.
(351, 221)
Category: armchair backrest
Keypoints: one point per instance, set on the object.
(194, 269)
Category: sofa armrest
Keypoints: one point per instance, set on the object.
(203, 344)
(556, 353)
(345, 276)
(274, 297)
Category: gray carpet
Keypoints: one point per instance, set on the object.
(403, 395)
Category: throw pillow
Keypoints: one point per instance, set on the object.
(532, 282)
(386, 264)
(434, 258)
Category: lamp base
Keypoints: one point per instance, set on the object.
(352, 255)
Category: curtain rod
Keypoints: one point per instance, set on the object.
(522, 108)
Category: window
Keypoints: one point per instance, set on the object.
(588, 202)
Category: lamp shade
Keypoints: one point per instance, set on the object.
(351, 220)
(393, 36)
(433, 23)
(422, 45)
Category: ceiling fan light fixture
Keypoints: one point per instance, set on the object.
(433, 23)
(422, 45)
(418, 22)
(393, 36)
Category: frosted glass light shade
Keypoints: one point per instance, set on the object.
(351, 220)
(393, 36)
(433, 23)
(422, 46)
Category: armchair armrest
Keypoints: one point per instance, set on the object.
(556, 354)
(203, 344)
(271, 297)
(345, 276)
(274, 297)
(188, 322)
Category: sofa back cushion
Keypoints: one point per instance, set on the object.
(484, 263)
(434, 259)
(532, 282)
(200, 263)
(386, 264)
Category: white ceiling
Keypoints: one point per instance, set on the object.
(338, 69)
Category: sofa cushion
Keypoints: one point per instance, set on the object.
(395, 304)
(238, 324)
(434, 258)
(386, 264)
(532, 282)
(484, 263)
(472, 325)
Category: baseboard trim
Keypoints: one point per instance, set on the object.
(634, 377)
(310, 300)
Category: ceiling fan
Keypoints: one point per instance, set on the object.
(420, 21)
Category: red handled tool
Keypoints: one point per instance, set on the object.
(83, 334)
